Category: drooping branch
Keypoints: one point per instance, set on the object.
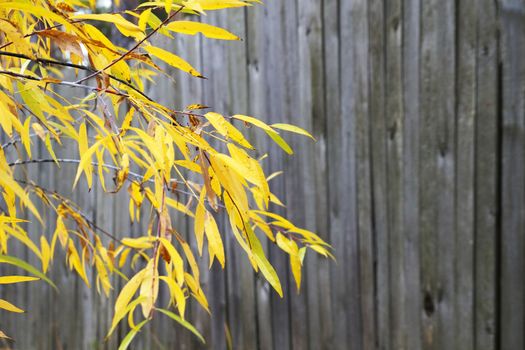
(72, 65)
(73, 206)
(95, 164)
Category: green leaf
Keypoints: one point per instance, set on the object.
(132, 333)
(264, 265)
(25, 266)
(184, 323)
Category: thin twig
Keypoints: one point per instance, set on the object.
(71, 205)
(80, 20)
(136, 46)
(72, 161)
(65, 83)
(72, 65)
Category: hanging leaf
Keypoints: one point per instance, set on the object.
(192, 28)
(9, 307)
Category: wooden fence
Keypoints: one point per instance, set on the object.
(417, 179)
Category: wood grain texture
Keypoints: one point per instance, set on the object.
(512, 279)
(417, 179)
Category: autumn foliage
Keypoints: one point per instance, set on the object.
(188, 160)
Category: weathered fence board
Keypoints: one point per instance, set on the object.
(417, 179)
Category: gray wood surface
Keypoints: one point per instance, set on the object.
(417, 179)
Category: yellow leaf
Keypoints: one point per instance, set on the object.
(286, 244)
(36, 10)
(123, 257)
(295, 264)
(173, 60)
(149, 288)
(3, 335)
(215, 246)
(220, 4)
(9, 307)
(123, 25)
(176, 294)
(128, 309)
(291, 248)
(143, 19)
(16, 279)
(60, 232)
(6, 181)
(199, 222)
(227, 129)
(191, 259)
(85, 159)
(138, 243)
(254, 121)
(76, 263)
(170, 202)
(83, 146)
(198, 294)
(176, 259)
(39, 130)
(124, 298)
(192, 28)
(293, 128)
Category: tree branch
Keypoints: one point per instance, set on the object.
(65, 83)
(72, 65)
(73, 206)
(136, 46)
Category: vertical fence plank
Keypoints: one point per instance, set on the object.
(512, 280)
(330, 306)
(463, 294)
(361, 109)
(412, 72)
(487, 187)
(437, 172)
(399, 332)
(380, 235)
(344, 223)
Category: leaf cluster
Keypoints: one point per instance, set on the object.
(190, 161)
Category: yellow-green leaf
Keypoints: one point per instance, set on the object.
(184, 323)
(293, 128)
(264, 265)
(25, 266)
(9, 307)
(280, 141)
(132, 333)
(192, 28)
